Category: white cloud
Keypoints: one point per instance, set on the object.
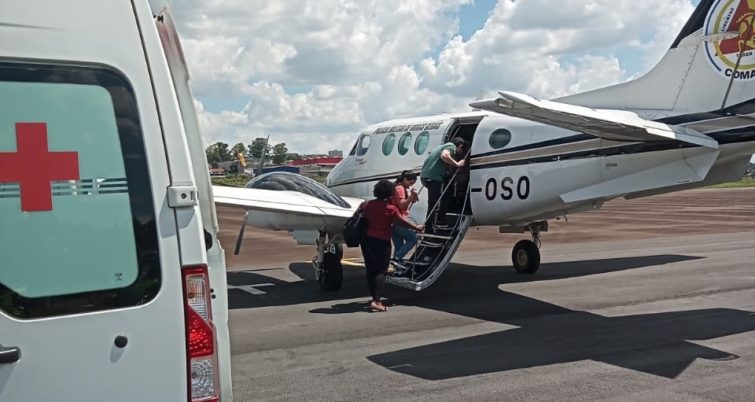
(314, 73)
(523, 48)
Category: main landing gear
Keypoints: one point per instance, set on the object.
(327, 263)
(526, 254)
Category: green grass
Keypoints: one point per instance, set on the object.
(232, 180)
(745, 182)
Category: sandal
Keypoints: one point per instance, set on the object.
(377, 307)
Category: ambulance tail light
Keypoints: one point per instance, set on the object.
(201, 348)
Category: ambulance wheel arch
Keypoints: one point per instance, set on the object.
(77, 221)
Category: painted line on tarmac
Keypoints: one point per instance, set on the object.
(251, 289)
(352, 262)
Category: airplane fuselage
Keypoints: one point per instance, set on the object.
(521, 172)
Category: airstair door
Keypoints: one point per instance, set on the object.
(432, 255)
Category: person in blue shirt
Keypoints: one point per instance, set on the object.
(434, 172)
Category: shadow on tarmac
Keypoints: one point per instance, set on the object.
(472, 277)
(546, 334)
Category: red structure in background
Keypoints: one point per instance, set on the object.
(322, 161)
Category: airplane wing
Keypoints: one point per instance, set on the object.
(616, 125)
(288, 209)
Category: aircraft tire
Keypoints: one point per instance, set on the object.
(337, 249)
(525, 257)
(331, 274)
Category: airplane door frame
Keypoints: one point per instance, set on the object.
(464, 127)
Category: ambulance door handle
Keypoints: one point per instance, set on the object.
(9, 354)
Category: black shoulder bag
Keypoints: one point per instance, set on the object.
(355, 227)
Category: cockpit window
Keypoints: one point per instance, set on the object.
(354, 148)
(499, 138)
(403, 143)
(289, 181)
(363, 145)
(420, 144)
(388, 143)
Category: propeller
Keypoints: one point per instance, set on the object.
(241, 235)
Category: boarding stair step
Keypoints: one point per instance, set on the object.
(433, 236)
(430, 258)
(430, 244)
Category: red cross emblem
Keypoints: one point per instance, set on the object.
(33, 167)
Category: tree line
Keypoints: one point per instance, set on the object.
(222, 152)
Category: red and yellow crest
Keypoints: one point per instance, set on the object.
(734, 54)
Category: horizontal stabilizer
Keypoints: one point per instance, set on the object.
(688, 170)
(615, 125)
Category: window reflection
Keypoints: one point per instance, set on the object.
(403, 143)
(363, 145)
(388, 143)
(420, 144)
(499, 138)
(290, 181)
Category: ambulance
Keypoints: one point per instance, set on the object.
(112, 280)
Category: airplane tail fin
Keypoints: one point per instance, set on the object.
(709, 67)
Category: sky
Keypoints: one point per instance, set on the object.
(313, 74)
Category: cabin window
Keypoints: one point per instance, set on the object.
(388, 144)
(403, 143)
(420, 144)
(499, 138)
(363, 145)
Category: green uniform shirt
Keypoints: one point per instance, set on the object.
(434, 168)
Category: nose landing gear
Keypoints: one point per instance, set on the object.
(327, 263)
(525, 257)
(526, 253)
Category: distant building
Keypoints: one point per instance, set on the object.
(323, 161)
(316, 166)
(335, 153)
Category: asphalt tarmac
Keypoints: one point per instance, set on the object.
(649, 299)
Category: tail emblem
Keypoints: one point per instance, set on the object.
(732, 16)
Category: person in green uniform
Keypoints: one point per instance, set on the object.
(434, 172)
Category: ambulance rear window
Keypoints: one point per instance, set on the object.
(77, 221)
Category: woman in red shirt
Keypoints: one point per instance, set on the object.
(403, 198)
(376, 243)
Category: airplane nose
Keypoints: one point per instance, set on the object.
(331, 177)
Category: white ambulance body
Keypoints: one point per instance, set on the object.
(112, 282)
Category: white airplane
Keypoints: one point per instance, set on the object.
(689, 122)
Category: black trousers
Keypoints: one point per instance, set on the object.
(377, 257)
(434, 191)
